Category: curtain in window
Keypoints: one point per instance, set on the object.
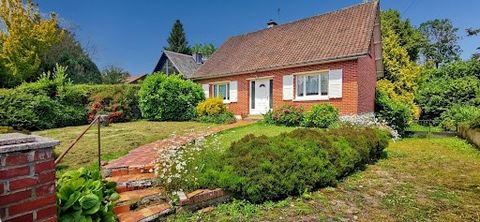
(324, 85)
(312, 85)
(300, 85)
(222, 91)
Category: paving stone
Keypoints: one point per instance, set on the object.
(150, 213)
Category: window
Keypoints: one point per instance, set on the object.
(312, 86)
(252, 97)
(222, 90)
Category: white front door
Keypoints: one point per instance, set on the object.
(259, 96)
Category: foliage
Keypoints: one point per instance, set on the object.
(53, 101)
(401, 73)
(220, 118)
(459, 114)
(177, 41)
(474, 32)
(205, 49)
(442, 46)
(83, 196)
(396, 114)
(455, 83)
(114, 75)
(287, 115)
(6, 129)
(409, 37)
(211, 106)
(169, 97)
(23, 39)
(69, 53)
(475, 123)
(321, 116)
(271, 168)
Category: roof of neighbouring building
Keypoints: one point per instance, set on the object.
(135, 79)
(340, 34)
(184, 63)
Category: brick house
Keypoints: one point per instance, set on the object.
(331, 58)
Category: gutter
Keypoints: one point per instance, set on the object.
(335, 59)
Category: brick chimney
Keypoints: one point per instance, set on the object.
(271, 23)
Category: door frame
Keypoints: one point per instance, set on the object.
(270, 89)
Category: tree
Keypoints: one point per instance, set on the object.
(177, 42)
(474, 32)
(114, 75)
(69, 53)
(24, 37)
(409, 37)
(442, 46)
(205, 49)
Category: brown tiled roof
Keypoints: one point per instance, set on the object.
(335, 35)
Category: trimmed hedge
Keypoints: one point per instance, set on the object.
(271, 168)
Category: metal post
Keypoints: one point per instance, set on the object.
(99, 143)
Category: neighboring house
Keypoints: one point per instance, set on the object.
(178, 63)
(330, 58)
(135, 79)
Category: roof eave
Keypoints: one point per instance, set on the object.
(318, 62)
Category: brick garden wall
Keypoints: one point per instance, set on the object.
(358, 94)
(27, 185)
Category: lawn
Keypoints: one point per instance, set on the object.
(423, 179)
(117, 139)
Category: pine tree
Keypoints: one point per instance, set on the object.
(177, 41)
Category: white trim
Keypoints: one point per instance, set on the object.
(306, 97)
(287, 87)
(227, 91)
(311, 98)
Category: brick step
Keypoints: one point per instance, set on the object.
(135, 199)
(121, 171)
(150, 213)
(133, 181)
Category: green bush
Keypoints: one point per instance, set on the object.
(395, 114)
(321, 116)
(287, 115)
(220, 118)
(271, 168)
(459, 114)
(457, 83)
(163, 97)
(83, 196)
(475, 123)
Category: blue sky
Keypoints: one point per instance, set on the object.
(132, 34)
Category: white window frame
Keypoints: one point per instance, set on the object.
(215, 90)
(306, 97)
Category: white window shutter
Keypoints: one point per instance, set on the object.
(233, 91)
(335, 83)
(206, 90)
(288, 87)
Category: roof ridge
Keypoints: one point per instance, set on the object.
(311, 17)
(177, 53)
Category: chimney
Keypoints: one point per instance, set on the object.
(271, 24)
(198, 58)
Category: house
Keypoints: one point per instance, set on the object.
(135, 79)
(331, 58)
(178, 63)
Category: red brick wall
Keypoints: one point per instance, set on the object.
(367, 81)
(27, 186)
(348, 104)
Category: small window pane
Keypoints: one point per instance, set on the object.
(312, 85)
(300, 85)
(324, 87)
(222, 91)
(215, 92)
(252, 97)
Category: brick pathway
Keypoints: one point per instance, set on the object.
(143, 157)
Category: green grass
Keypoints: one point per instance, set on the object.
(117, 139)
(422, 179)
(419, 128)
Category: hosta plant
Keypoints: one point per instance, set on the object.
(83, 196)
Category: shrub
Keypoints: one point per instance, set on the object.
(163, 97)
(397, 115)
(271, 168)
(211, 106)
(287, 115)
(221, 118)
(459, 114)
(83, 196)
(321, 116)
(475, 123)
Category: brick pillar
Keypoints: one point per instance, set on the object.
(27, 178)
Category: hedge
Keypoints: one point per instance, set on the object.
(271, 168)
